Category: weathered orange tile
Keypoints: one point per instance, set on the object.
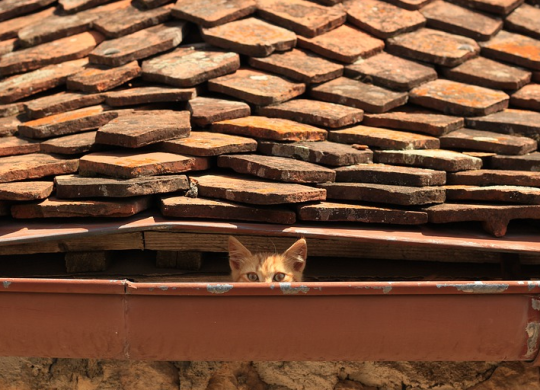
(487, 141)
(205, 111)
(130, 164)
(213, 12)
(357, 94)
(460, 99)
(10, 124)
(184, 207)
(61, 102)
(251, 37)
(527, 162)
(502, 7)
(139, 45)
(459, 20)
(500, 194)
(527, 97)
(299, 65)
(149, 4)
(488, 73)
(514, 48)
(34, 166)
(11, 109)
(65, 49)
(509, 121)
(190, 65)
(149, 94)
(202, 143)
(17, 87)
(130, 19)
(313, 112)
(8, 46)
(433, 46)
(524, 20)
(410, 4)
(72, 144)
(495, 177)
(243, 189)
(10, 28)
(390, 174)
(256, 87)
(97, 78)
(343, 212)
(26, 190)
(270, 128)
(391, 72)
(382, 19)
(12, 8)
(441, 160)
(345, 43)
(11, 146)
(302, 17)
(72, 6)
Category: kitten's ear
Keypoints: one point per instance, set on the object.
(237, 253)
(298, 254)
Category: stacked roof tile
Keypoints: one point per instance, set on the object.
(276, 111)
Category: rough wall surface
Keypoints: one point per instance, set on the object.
(89, 374)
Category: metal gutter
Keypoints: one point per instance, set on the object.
(423, 321)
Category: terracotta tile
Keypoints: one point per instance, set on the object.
(183, 207)
(502, 7)
(99, 78)
(390, 174)
(527, 97)
(56, 208)
(205, 111)
(391, 72)
(343, 212)
(385, 194)
(72, 144)
(12, 8)
(139, 45)
(487, 141)
(55, 27)
(302, 17)
(11, 146)
(70, 122)
(10, 28)
(383, 138)
(345, 44)
(61, 102)
(256, 87)
(26, 190)
(9, 125)
(494, 218)
(243, 189)
(144, 128)
(251, 37)
(458, 20)
(382, 19)
(149, 4)
(354, 93)
(433, 46)
(149, 94)
(509, 121)
(527, 162)
(202, 143)
(65, 49)
(514, 48)
(75, 186)
(213, 12)
(500, 194)
(34, 166)
(299, 65)
(8, 46)
(441, 160)
(324, 153)
(487, 73)
(277, 168)
(410, 4)
(459, 99)
(130, 164)
(72, 6)
(495, 177)
(190, 65)
(131, 19)
(314, 112)
(105, 9)
(24, 85)
(524, 20)
(270, 128)
(11, 109)
(417, 120)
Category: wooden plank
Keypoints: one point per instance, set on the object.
(207, 242)
(120, 241)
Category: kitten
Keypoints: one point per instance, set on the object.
(267, 267)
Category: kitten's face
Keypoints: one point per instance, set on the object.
(267, 267)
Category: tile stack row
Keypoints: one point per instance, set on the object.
(274, 111)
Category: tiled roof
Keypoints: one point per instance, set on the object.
(276, 111)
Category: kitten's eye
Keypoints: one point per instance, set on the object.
(253, 277)
(279, 277)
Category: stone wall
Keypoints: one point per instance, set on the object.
(88, 374)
